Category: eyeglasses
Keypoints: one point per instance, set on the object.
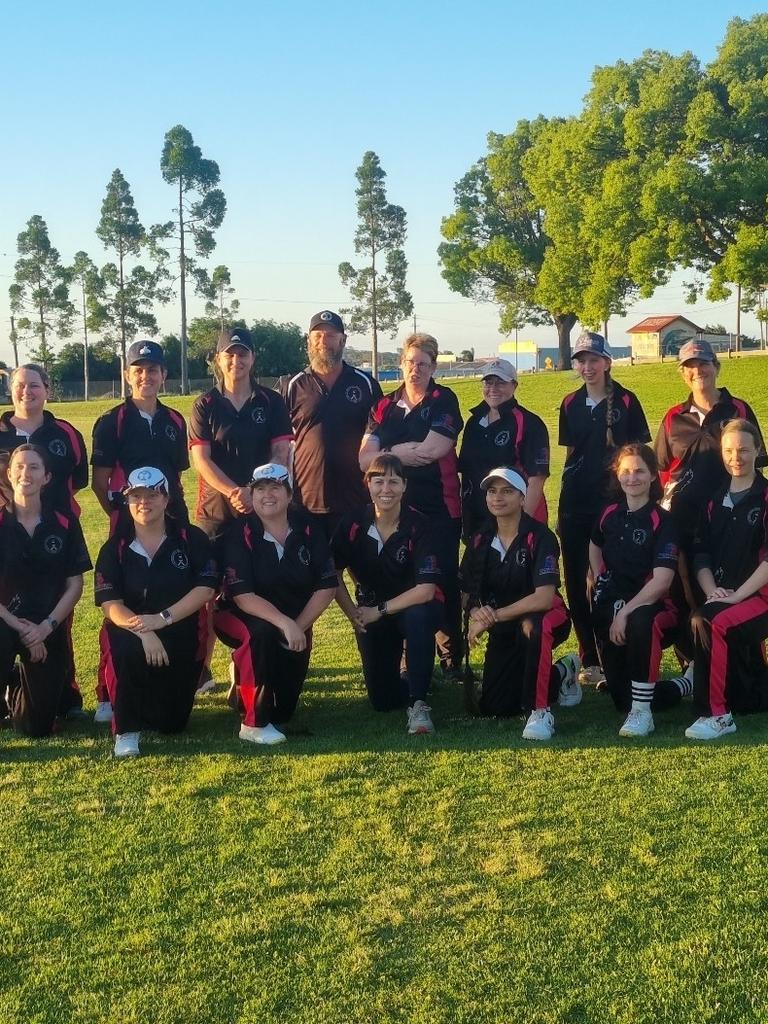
(415, 364)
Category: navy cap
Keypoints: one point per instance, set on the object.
(149, 477)
(697, 348)
(234, 336)
(145, 352)
(591, 342)
(325, 318)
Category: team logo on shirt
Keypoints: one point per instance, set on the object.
(354, 394)
(14, 604)
(57, 447)
(402, 554)
(615, 414)
(53, 544)
(425, 413)
(259, 414)
(303, 554)
(639, 536)
(753, 515)
(501, 438)
(521, 557)
(170, 432)
(548, 566)
(719, 574)
(179, 559)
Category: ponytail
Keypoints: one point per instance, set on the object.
(609, 395)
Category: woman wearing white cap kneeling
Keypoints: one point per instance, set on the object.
(153, 579)
(510, 578)
(279, 578)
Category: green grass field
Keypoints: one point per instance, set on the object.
(360, 875)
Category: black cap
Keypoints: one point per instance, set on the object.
(145, 352)
(234, 336)
(325, 318)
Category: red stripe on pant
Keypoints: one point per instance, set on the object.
(556, 617)
(665, 620)
(736, 615)
(107, 666)
(234, 627)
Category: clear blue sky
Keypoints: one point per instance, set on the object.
(287, 98)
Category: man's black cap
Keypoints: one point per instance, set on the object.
(325, 318)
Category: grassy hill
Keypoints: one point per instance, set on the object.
(357, 874)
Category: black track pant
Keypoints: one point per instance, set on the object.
(381, 648)
(445, 534)
(650, 629)
(574, 532)
(270, 678)
(729, 671)
(146, 696)
(518, 675)
(35, 688)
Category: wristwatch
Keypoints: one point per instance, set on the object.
(382, 608)
(53, 623)
(166, 616)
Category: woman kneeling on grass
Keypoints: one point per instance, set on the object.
(153, 578)
(279, 578)
(731, 568)
(389, 553)
(42, 560)
(510, 578)
(633, 556)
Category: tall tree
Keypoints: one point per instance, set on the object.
(380, 299)
(221, 290)
(496, 241)
(124, 303)
(201, 208)
(85, 275)
(121, 231)
(40, 291)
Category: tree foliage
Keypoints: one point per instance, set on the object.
(380, 299)
(40, 291)
(200, 210)
(85, 275)
(220, 302)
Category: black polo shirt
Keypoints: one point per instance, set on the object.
(34, 570)
(587, 469)
(252, 563)
(329, 426)
(383, 571)
(691, 467)
(432, 489)
(66, 450)
(124, 440)
(633, 544)
(517, 439)
(491, 576)
(183, 561)
(732, 537)
(239, 441)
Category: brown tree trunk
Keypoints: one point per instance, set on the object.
(565, 323)
(183, 295)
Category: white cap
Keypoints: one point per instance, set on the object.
(271, 471)
(501, 368)
(511, 476)
(149, 477)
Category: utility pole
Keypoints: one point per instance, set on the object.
(14, 342)
(738, 318)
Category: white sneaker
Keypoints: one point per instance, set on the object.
(207, 683)
(711, 728)
(540, 726)
(127, 744)
(267, 735)
(103, 714)
(570, 688)
(419, 720)
(637, 723)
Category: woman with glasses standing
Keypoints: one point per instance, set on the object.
(500, 432)
(420, 423)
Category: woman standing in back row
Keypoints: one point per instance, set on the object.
(595, 420)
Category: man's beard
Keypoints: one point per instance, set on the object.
(325, 362)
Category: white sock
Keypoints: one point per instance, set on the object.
(642, 695)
